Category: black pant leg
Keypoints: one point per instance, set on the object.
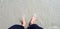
(34, 26)
(16, 27)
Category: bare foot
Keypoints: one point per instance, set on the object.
(23, 22)
(33, 20)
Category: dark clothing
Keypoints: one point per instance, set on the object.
(16, 27)
(34, 26)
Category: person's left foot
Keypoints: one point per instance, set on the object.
(23, 22)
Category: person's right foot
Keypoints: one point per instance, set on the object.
(33, 20)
